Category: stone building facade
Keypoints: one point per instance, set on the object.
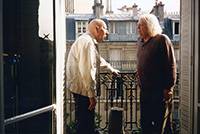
(120, 46)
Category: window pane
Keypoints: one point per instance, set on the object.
(84, 24)
(79, 29)
(111, 27)
(176, 27)
(84, 27)
(128, 27)
(116, 27)
(28, 63)
(133, 27)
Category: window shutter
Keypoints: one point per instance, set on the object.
(186, 90)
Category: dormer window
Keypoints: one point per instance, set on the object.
(130, 27)
(176, 28)
(81, 28)
(113, 27)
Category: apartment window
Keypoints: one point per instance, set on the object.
(114, 27)
(81, 27)
(115, 57)
(176, 27)
(130, 27)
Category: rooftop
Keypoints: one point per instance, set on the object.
(109, 17)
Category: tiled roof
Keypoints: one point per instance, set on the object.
(109, 17)
(119, 17)
(80, 16)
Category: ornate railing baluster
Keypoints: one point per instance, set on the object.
(105, 79)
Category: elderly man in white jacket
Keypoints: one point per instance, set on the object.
(83, 79)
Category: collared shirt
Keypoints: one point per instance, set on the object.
(82, 66)
(156, 63)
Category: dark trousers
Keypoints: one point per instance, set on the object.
(156, 114)
(85, 117)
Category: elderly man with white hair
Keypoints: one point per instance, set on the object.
(156, 69)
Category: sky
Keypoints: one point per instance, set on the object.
(45, 18)
(145, 5)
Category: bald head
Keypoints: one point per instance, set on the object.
(98, 28)
(94, 23)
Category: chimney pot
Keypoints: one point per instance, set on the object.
(135, 10)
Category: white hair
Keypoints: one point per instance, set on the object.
(152, 23)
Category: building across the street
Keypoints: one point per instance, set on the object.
(120, 46)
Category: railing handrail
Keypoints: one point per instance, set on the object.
(103, 101)
(121, 72)
(29, 114)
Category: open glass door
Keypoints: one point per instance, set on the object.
(29, 66)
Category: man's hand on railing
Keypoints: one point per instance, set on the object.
(136, 73)
(115, 73)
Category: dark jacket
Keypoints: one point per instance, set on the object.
(156, 63)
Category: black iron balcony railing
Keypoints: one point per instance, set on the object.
(121, 92)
